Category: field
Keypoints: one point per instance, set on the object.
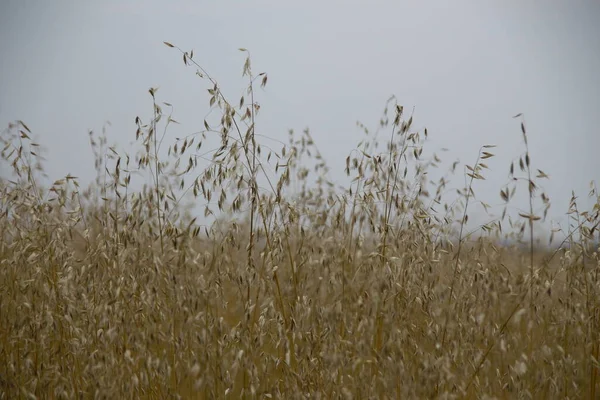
(300, 288)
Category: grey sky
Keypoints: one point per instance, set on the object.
(467, 67)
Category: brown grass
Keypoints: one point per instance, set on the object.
(300, 288)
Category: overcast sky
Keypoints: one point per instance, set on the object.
(466, 66)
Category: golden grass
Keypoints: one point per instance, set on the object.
(300, 289)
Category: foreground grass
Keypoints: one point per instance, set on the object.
(319, 292)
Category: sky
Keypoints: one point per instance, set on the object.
(466, 67)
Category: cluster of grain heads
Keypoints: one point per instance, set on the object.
(295, 286)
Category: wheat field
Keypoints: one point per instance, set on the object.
(298, 287)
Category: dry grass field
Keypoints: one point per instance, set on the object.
(300, 288)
